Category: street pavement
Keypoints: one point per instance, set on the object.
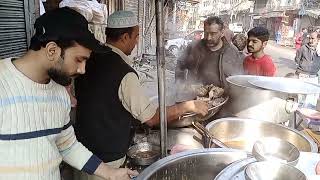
(283, 57)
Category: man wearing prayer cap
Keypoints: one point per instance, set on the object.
(110, 96)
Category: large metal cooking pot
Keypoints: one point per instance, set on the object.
(202, 164)
(248, 101)
(241, 134)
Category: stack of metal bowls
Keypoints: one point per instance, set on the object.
(268, 170)
(276, 159)
(274, 149)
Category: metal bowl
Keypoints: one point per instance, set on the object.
(274, 149)
(243, 133)
(188, 118)
(272, 171)
(144, 153)
(202, 164)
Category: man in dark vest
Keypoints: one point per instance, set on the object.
(110, 96)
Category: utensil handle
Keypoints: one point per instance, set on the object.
(208, 134)
(206, 140)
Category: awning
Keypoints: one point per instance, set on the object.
(315, 13)
(256, 17)
(273, 14)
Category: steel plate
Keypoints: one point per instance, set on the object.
(286, 85)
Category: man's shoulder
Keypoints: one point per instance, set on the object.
(268, 57)
(304, 47)
(106, 52)
(248, 58)
(230, 47)
(196, 44)
(4, 70)
(231, 52)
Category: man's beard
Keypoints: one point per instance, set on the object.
(212, 43)
(252, 50)
(58, 75)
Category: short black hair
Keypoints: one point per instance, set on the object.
(259, 32)
(64, 26)
(214, 20)
(304, 29)
(114, 34)
(38, 41)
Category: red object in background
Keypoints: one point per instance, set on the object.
(197, 36)
(260, 67)
(298, 40)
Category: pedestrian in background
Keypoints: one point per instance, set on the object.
(308, 62)
(278, 36)
(301, 38)
(258, 63)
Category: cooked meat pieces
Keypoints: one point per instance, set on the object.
(215, 92)
(210, 93)
(202, 91)
(203, 98)
(216, 102)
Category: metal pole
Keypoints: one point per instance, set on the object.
(161, 76)
(143, 27)
(174, 12)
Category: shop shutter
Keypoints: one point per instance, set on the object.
(13, 33)
(131, 6)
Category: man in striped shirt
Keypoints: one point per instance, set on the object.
(35, 129)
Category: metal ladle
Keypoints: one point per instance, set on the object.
(209, 139)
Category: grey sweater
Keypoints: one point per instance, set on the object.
(209, 67)
(307, 59)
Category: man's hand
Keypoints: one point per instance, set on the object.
(121, 174)
(110, 173)
(196, 106)
(318, 168)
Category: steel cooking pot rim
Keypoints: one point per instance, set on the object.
(164, 161)
(313, 145)
(249, 77)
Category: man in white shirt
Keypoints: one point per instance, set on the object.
(110, 96)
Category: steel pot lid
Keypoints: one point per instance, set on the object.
(235, 171)
(285, 85)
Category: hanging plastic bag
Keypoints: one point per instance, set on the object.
(81, 6)
(98, 11)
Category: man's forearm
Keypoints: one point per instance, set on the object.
(173, 113)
